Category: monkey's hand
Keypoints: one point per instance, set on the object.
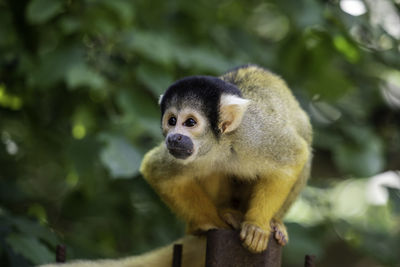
(280, 232)
(254, 238)
(232, 217)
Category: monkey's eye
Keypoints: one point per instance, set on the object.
(172, 121)
(190, 122)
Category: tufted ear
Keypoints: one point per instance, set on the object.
(160, 99)
(231, 111)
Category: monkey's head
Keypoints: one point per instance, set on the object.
(196, 112)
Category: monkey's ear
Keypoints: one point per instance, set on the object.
(232, 109)
(160, 99)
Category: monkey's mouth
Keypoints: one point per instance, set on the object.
(180, 153)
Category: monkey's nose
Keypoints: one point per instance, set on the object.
(175, 139)
(179, 145)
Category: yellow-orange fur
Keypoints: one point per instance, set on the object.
(271, 140)
(247, 180)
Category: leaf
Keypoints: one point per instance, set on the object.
(203, 58)
(120, 157)
(54, 66)
(137, 103)
(365, 159)
(330, 82)
(155, 47)
(123, 9)
(30, 248)
(84, 154)
(141, 115)
(157, 81)
(346, 48)
(70, 24)
(40, 11)
(32, 228)
(82, 75)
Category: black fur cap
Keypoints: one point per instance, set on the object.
(202, 92)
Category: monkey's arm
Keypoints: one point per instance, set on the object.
(269, 195)
(180, 191)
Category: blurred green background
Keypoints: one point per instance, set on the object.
(79, 82)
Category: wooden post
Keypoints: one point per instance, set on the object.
(309, 261)
(177, 256)
(60, 253)
(224, 249)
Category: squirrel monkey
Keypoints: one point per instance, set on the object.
(237, 151)
(236, 154)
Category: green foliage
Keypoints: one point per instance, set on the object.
(121, 158)
(27, 239)
(79, 83)
(40, 11)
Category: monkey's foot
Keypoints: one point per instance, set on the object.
(254, 238)
(232, 217)
(280, 232)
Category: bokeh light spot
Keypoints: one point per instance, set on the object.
(353, 7)
(79, 131)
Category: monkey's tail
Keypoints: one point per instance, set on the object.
(193, 255)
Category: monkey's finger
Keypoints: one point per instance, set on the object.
(261, 243)
(277, 236)
(249, 237)
(265, 244)
(281, 238)
(284, 241)
(243, 233)
(257, 236)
